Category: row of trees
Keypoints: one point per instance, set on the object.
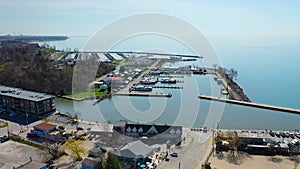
(28, 66)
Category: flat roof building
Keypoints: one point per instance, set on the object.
(23, 101)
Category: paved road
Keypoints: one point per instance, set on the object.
(193, 152)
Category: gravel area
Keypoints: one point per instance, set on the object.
(14, 153)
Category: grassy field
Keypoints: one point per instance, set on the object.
(89, 93)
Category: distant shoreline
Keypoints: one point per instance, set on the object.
(31, 38)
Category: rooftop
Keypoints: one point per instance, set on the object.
(102, 128)
(157, 129)
(90, 162)
(136, 149)
(44, 126)
(23, 94)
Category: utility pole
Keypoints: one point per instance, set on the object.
(27, 119)
(7, 128)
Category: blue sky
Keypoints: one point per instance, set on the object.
(214, 18)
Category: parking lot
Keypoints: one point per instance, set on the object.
(12, 154)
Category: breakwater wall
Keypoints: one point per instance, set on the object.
(251, 104)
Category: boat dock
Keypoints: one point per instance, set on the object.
(168, 87)
(251, 104)
(144, 94)
(171, 76)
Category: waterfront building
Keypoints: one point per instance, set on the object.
(16, 100)
(47, 131)
(135, 150)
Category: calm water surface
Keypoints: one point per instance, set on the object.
(268, 74)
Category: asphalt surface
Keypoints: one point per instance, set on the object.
(193, 152)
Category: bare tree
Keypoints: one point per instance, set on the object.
(52, 150)
(232, 73)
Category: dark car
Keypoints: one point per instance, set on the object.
(4, 139)
(297, 135)
(80, 128)
(282, 134)
(272, 133)
(167, 159)
(292, 135)
(287, 134)
(174, 155)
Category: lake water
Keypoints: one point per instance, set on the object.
(268, 74)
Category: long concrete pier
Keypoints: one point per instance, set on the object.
(251, 104)
(144, 94)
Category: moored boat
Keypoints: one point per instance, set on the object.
(168, 80)
(142, 88)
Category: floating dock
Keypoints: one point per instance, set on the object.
(145, 94)
(251, 104)
(168, 87)
(170, 76)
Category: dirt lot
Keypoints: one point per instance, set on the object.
(254, 162)
(13, 154)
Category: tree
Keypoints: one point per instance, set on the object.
(234, 144)
(232, 73)
(112, 162)
(53, 149)
(75, 148)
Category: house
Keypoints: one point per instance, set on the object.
(47, 131)
(89, 163)
(140, 130)
(151, 134)
(98, 84)
(95, 152)
(101, 86)
(32, 164)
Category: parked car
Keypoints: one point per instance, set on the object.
(174, 155)
(297, 135)
(80, 128)
(4, 139)
(167, 159)
(31, 135)
(277, 134)
(272, 133)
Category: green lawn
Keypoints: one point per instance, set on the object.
(22, 141)
(88, 93)
(117, 61)
(3, 124)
